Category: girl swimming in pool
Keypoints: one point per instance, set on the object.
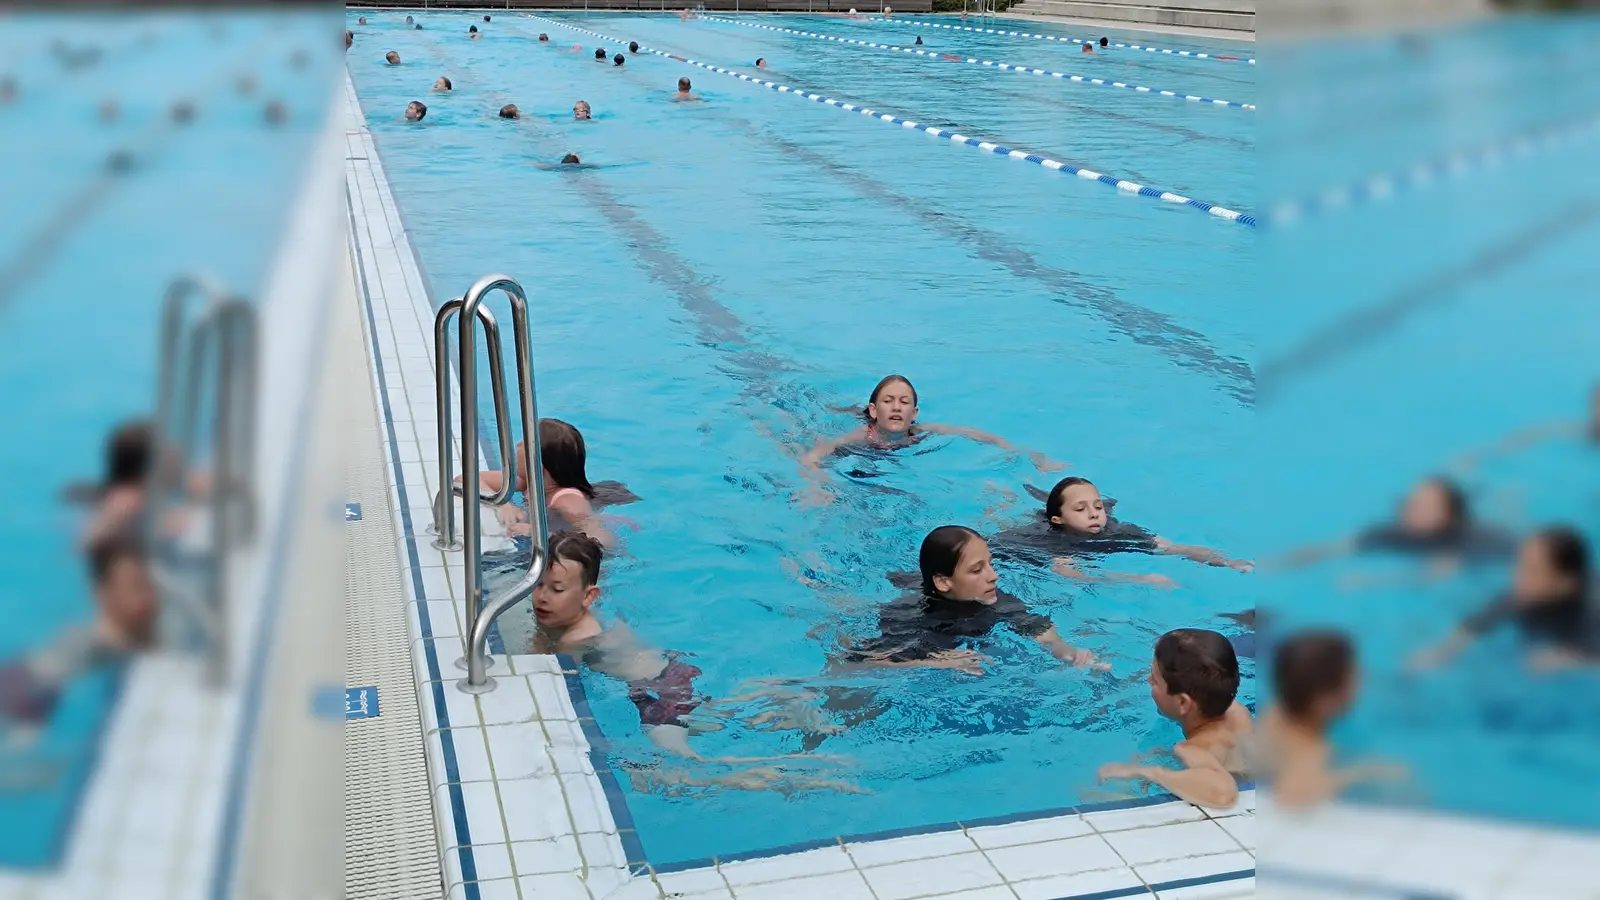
(567, 491)
(1077, 523)
(958, 604)
(889, 422)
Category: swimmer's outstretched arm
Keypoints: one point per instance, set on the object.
(1311, 782)
(1314, 554)
(1067, 568)
(1442, 652)
(969, 661)
(1204, 781)
(1203, 555)
(1040, 461)
(1069, 654)
(1516, 442)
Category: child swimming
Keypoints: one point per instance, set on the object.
(1194, 680)
(660, 685)
(1435, 522)
(1549, 602)
(120, 498)
(890, 423)
(567, 491)
(1077, 523)
(1314, 674)
(958, 605)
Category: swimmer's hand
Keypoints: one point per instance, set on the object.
(816, 495)
(1160, 581)
(1110, 771)
(1083, 659)
(511, 516)
(1044, 463)
(1240, 565)
(970, 662)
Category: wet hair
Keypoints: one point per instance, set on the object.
(509, 111)
(619, 59)
(577, 547)
(448, 84)
(866, 411)
(760, 60)
(919, 40)
(105, 553)
(1311, 665)
(1455, 501)
(1058, 495)
(349, 37)
(570, 159)
(599, 53)
(1203, 665)
(633, 46)
(392, 58)
(472, 30)
(941, 552)
(1569, 553)
(543, 36)
(683, 83)
(486, 18)
(1105, 42)
(418, 26)
(422, 109)
(129, 453)
(408, 20)
(561, 449)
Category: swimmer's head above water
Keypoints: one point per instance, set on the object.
(443, 83)
(761, 62)
(892, 408)
(392, 58)
(486, 18)
(683, 85)
(618, 60)
(409, 20)
(1194, 677)
(1105, 42)
(1075, 504)
(600, 54)
(472, 30)
(415, 111)
(1437, 506)
(510, 111)
(361, 20)
(956, 565)
(580, 110)
(633, 46)
(571, 580)
(1553, 566)
(1314, 674)
(1088, 47)
(544, 38)
(571, 159)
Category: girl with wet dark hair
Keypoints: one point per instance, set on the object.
(956, 603)
(1550, 603)
(567, 491)
(1077, 523)
(1435, 522)
(890, 423)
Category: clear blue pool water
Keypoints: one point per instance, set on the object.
(740, 265)
(78, 324)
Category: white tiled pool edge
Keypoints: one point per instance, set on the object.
(511, 769)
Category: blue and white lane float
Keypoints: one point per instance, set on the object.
(1011, 67)
(1130, 187)
(1192, 54)
(1444, 168)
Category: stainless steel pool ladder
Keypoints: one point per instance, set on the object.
(219, 340)
(470, 308)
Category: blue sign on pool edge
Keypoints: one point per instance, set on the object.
(360, 702)
(352, 512)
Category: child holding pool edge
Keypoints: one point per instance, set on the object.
(567, 491)
(958, 602)
(1194, 680)
(890, 421)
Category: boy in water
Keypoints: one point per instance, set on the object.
(1316, 678)
(1194, 679)
(510, 111)
(683, 91)
(580, 110)
(392, 58)
(661, 685)
(415, 110)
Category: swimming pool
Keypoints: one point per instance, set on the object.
(86, 256)
(736, 267)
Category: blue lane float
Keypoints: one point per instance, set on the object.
(1010, 67)
(1123, 185)
(1434, 171)
(1192, 54)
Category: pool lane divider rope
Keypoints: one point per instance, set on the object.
(1011, 67)
(1192, 54)
(1221, 212)
(1434, 171)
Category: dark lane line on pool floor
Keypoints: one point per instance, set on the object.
(1121, 185)
(1186, 347)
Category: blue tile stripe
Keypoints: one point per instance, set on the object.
(1010, 67)
(1192, 54)
(1150, 890)
(1130, 187)
(436, 686)
(1444, 168)
(1351, 887)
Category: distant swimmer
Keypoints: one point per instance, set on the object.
(276, 112)
(888, 13)
(472, 33)
(571, 159)
(486, 18)
(392, 58)
(633, 46)
(443, 84)
(761, 62)
(580, 110)
(919, 40)
(544, 38)
(1105, 42)
(683, 91)
(415, 110)
(575, 48)
(600, 54)
(684, 16)
(1088, 48)
(417, 26)
(409, 20)
(510, 111)
(618, 60)
(362, 20)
